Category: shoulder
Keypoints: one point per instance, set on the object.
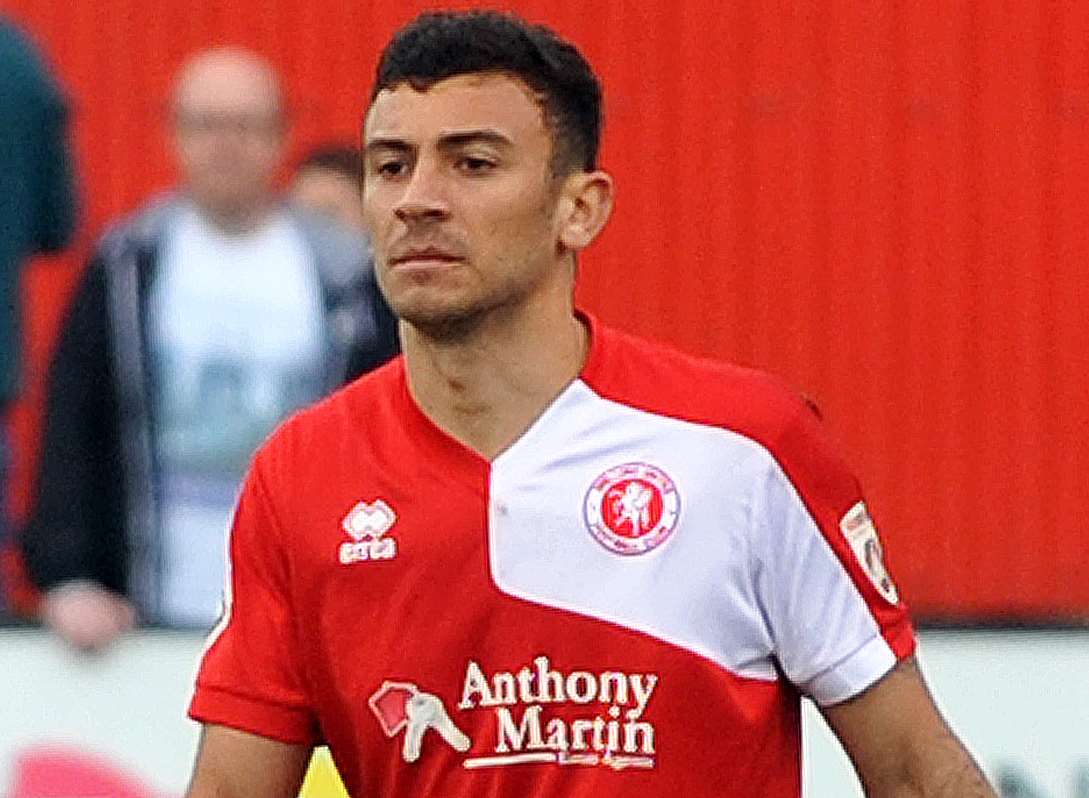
(140, 228)
(341, 254)
(333, 427)
(21, 58)
(661, 380)
(758, 406)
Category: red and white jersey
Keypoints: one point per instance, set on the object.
(628, 601)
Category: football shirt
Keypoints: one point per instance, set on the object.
(629, 601)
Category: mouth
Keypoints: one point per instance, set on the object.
(423, 258)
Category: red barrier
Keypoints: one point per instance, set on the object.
(885, 204)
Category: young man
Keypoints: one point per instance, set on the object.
(536, 557)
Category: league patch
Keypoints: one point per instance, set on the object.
(858, 528)
(632, 508)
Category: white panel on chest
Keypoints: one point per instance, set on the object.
(633, 518)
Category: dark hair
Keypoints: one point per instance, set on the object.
(440, 45)
(339, 158)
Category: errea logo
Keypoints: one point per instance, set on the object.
(367, 525)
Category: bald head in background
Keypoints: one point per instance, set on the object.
(229, 135)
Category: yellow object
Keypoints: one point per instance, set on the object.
(322, 779)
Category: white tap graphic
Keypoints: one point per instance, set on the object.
(425, 711)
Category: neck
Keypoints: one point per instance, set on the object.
(487, 387)
(237, 220)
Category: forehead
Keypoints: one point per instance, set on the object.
(464, 102)
(228, 84)
(315, 178)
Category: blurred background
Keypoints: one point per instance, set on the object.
(883, 203)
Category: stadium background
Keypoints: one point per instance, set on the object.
(885, 204)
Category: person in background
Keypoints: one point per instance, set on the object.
(37, 204)
(203, 320)
(327, 180)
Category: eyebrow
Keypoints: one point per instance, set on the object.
(447, 141)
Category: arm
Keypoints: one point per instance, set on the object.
(74, 543)
(899, 743)
(251, 674)
(48, 156)
(841, 630)
(56, 191)
(75, 528)
(236, 764)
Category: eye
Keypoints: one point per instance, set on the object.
(473, 165)
(390, 168)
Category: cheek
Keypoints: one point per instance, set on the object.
(377, 207)
(520, 213)
(264, 154)
(189, 151)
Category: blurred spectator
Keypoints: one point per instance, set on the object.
(37, 206)
(203, 320)
(328, 180)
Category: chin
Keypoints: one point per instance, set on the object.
(443, 326)
(442, 322)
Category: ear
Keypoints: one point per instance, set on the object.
(585, 206)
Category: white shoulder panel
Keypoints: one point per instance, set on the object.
(730, 582)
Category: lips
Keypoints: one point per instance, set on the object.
(423, 256)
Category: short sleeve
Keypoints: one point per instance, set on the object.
(250, 676)
(835, 616)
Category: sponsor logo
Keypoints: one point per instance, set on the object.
(367, 525)
(540, 715)
(858, 528)
(401, 705)
(632, 508)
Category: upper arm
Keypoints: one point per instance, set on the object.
(899, 743)
(252, 673)
(50, 161)
(77, 494)
(57, 203)
(835, 621)
(236, 764)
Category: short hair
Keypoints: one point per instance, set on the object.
(339, 158)
(444, 44)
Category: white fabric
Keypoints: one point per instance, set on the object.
(237, 344)
(746, 578)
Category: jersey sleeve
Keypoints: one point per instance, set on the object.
(250, 676)
(836, 619)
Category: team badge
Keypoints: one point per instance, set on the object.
(858, 528)
(632, 508)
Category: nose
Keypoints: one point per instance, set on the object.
(424, 198)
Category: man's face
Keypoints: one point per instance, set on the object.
(228, 134)
(460, 199)
(331, 193)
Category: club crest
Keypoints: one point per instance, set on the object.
(632, 508)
